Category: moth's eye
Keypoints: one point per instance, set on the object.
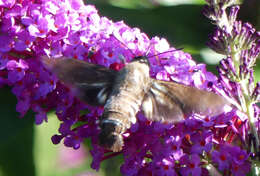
(141, 59)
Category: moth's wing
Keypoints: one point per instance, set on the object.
(91, 83)
(158, 106)
(172, 102)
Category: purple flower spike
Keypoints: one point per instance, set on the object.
(240, 43)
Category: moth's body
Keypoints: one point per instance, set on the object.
(131, 84)
(128, 91)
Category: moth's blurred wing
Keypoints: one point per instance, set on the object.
(172, 102)
(160, 107)
(89, 82)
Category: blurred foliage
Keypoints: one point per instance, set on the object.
(47, 155)
(26, 149)
(141, 4)
(16, 138)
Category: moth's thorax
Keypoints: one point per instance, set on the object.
(130, 86)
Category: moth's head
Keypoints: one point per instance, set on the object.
(142, 60)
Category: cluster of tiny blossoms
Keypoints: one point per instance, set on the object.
(240, 42)
(30, 29)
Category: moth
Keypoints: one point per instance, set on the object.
(123, 93)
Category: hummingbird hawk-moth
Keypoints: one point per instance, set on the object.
(123, 93)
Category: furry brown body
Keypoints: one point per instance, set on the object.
(130, 86)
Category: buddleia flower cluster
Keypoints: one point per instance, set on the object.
(198, 145)
(240, 43)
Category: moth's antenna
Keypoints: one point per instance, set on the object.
(165, 52)
(123, 44)
(149, 48)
